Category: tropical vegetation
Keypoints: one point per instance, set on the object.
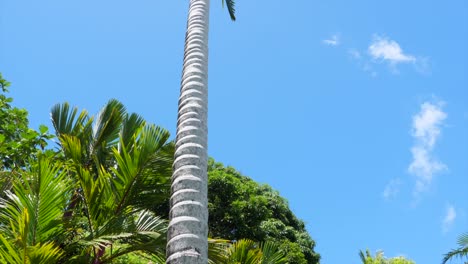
(89, 202)
(100, 194)
(379, 258)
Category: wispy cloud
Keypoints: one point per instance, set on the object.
(355, 54)
(449, 218)
(388, 50)
(382, 50)
(333, 41)
(392, 189)
(362, 62)
(426, 130)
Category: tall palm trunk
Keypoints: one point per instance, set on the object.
(188, 227)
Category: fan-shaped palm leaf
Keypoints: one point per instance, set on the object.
(64, 122)
(460, 252)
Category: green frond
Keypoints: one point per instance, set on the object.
(45, 253)
(231, 8)
(36, 205)
(146, 221)
(107, 126)
(23, 250)
(64, 122)
(244, 251)
(141, 174)
(130, 127)
(463, 240)
(271, 253)
(72, 148)
(217, 251)
(460, 252)
(8, 253)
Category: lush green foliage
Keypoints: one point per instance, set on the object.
(102, 195)
(246, 251)
(460, 252)
(18, 143)
(241, 208)
(379, 258)
(90, 202)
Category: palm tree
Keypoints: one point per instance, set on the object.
(460, 252)
(188, 226)
(119, 166)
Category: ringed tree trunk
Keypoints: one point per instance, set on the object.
(188, 226)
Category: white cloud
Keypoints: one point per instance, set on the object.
(389, 50)
(392, 189)
(425, 131)
(426, 124)
(333, 41)
(449, 218)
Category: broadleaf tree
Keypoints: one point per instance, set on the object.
(240, 208)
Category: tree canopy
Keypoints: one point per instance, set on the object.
(18, 142)
(241, 208)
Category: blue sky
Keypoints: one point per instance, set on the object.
(356, 111)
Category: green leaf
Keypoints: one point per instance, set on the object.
(43, 129)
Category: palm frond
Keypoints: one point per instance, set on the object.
(231, 8)
(106, 127)
(139, 171)
(130, 127)
(463, 240)
(45, 253)
(244, 251)
(8, 253)
(271, 253)
(460, 252)
(217, 251)
(64, 122)
(41, 193)
(23, 251)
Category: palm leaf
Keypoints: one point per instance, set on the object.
(106, 128)
(64, 122)
(145, 167)
(130, 126)
(244, 251)
(271, 253)
(8, 254)
(231, 8)
(217, 251)
(460, 252)
(23, 251)
(42, 193)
